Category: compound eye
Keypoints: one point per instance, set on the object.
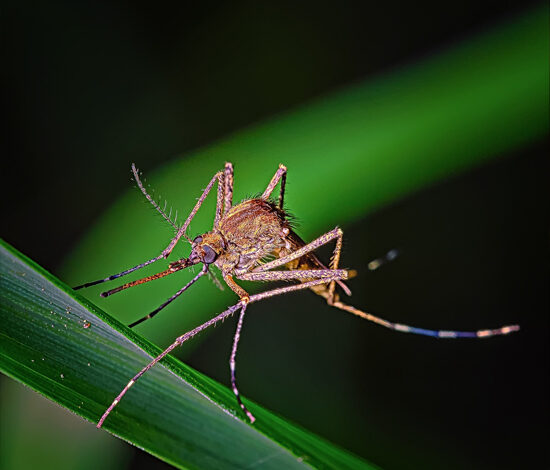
(197, 239)
(209, 255)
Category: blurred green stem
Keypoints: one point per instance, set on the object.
(347, 154)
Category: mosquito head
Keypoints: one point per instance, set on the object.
(206, 248)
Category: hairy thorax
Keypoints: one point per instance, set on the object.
(252, 230)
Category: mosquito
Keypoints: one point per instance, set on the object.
(255, 241)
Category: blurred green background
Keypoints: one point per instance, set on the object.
(91, 87)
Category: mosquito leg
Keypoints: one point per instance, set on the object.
(329, 275)
(504, 330)
(183, 229)
(318, 242)
(319, 276)
(322, 240)
(337, 233)
(282, 191)
(279, 175)
(123, 273)
(406, 328)
(232, 364)
(220, 199)
(325, 277)
(183, 338)
(180, 340)
(387, 258)
(243, 295)
(335, 262)
(171, 299)
(287, 289)
(173, 268)
(228, 183)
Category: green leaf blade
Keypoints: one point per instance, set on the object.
(62, 346)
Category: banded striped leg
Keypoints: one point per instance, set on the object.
(324, 276)
(504, 330)
(337, 233)
(120, 274)
(232, 363)
(183, 338)
(279, 175)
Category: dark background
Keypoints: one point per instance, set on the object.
(91, 86)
